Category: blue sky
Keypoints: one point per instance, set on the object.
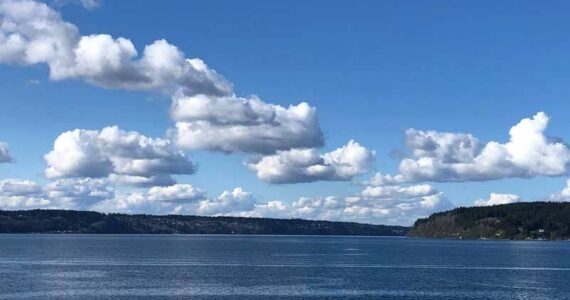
(372, 69)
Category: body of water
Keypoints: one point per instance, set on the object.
(245, 267)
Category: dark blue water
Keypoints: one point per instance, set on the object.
(179, 266)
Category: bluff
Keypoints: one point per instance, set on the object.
(516, 221)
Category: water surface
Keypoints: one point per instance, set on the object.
(208, 266)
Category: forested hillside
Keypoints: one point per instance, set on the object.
(530, 220)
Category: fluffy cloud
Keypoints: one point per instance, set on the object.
(229, 202)
(79, 193)
(177, 193)
(33, 33)
(232, 124)
(99, 194)
(401, 193)
(444, 157)
(380, 205)
(176, 199)
(396, 205)
(16, 187)
(136, 202)
(497, 199)
(65, 193)
(563, 195)
(307, 165)
(208, 115)
(21, 194)
(379, 179)
(127, 157)
(5, 153)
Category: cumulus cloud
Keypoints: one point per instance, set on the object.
(379, 179)
(232, 202)
(307, 165)
(497, 199)
(232, 124)
(79, 193)
(21, 194)
(563, 195)
(208, 114)
(65, 193)
(99, 194)
(127, 157)
(5, 153)
(33, 33)
(176, 199)
(16, 187)
(135, 202)
(444, 157)
(378, 205)
(176, 193)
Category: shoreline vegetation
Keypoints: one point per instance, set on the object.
(515, 221)
(89, 222)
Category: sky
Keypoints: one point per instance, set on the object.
(375, 111)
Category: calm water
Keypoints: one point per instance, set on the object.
(177, 266)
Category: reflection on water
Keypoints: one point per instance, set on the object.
(127, 266)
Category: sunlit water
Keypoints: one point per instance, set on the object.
(198, 266)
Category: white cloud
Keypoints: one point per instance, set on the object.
(375, 204)
(87, 4)
(208, 114)
(228, 203)
(179, 198)
(379, 179)
(5, 153)
(65, 193)
(90, 4)
(79, 193)
(497, 199)
(33, 33)
(23, 202)
(231, 124)
(21, 194)
(563, 195)
(379, 205)
(398, 192)
(17, 187)
(444, 157)
(401, 205)
(127, 157)
(307, 165)
(176, 193)
(143, 181)
(175, 199)
(135, 202)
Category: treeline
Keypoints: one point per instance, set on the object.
(527, 220)
(68, 221)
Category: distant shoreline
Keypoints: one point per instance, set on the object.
(88, 222)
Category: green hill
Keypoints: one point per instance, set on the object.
(517, 221)
(68, 221)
